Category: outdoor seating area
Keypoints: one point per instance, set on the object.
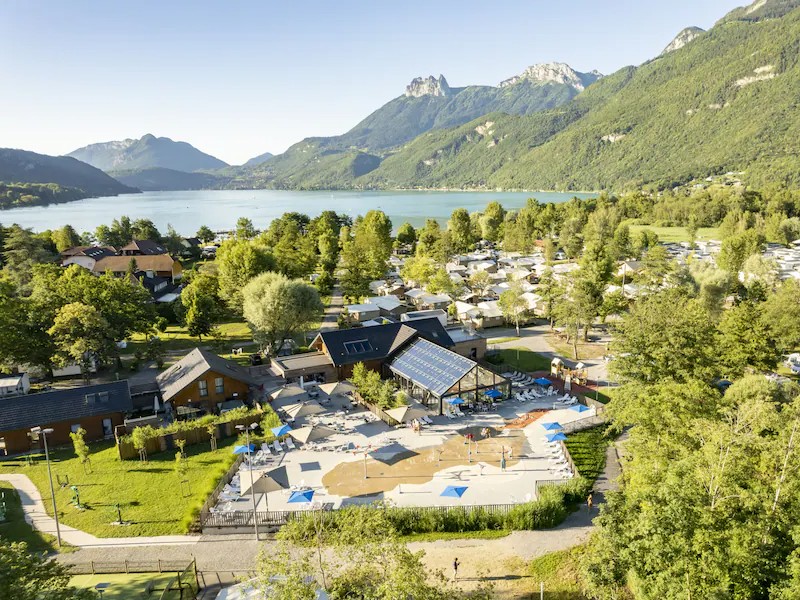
(342, 454)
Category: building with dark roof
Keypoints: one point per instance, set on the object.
(95, 408)
(204, 379)
(142, 248)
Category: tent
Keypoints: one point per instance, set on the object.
(454, 491)
(303, 409)
(311, 433)
(271, 481)
(406, 414)
(340, 387)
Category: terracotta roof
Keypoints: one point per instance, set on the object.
(119, 264)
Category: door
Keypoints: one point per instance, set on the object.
(108, 430)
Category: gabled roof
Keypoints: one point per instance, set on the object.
(73, 404)
(435, 368)
(96, 252)
(119, 264)
(193, 366)
(349, 346)
(146, 247)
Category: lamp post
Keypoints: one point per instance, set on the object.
(249, 456)
(44, 433)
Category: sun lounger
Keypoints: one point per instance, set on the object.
(427, 419)
(277, 446)
(290, 444)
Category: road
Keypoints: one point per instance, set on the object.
(332, 311)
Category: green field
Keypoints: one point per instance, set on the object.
(523, 359)
(149, 493)
(560, 574)
(588, 451)
(177, 338)
(15, 529)
(124, 586)
(678, 234)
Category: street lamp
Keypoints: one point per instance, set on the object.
(250, 459)
(44, 433)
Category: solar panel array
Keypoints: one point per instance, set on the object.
(435, 368)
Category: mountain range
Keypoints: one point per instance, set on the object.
(713, 102)
(716, 101)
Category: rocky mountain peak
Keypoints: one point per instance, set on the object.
(684, 37)
(554, 72)
(428, 86)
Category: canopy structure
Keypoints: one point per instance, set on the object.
(556, 437)
(580, 408)
(454, 491)
(271, 481)
(303, 409)
(340, 387)
(244, 449)
(406, 414)
(311, 433)
(555, 426)
(301, 496)
(391, 453)
(431, 374)
(280, 431)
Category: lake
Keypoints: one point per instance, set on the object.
(219, 209)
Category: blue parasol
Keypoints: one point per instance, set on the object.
(556, 437)
(542, 381)
(281, 431)
(301, 496)
(454, 491)
(244, 449)
(579, 408)
(552, 426)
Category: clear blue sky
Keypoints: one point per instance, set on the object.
(238, 78)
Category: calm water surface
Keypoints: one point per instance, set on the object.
(219, 209)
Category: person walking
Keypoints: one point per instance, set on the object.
(456, 564)
(503, 460)
(589, 502)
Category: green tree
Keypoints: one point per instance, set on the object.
(173, 241)
(737, 248)
(666, 335)
(22, 250)
(427, 237)
(238, 261)
(406, 234)
(418, 270)
(491, 222)
(579, 308)
(551, 292)
(80, 446)
(744, 341)
(513, 305)
(201, 302)
(460, 228)
(479, 282)
(205, 234)
(277, 308)
(622, 246)
(782, 315)
(245, 230)
(441, 283)
(26, 575)
(81, 335)
(145, 229)
(66, 238)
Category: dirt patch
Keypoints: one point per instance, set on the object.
(419, 466)
(526, 419)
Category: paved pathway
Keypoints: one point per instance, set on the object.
(35, 515)
(330, 320)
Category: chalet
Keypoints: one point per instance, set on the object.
(204, 379)
(14, 385)
(86, 256)
(359, 313)
(143, 248)
(389, 306)
(160, 265)
(97, 409)
(630, 268)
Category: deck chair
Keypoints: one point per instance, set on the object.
(277, 445)
(290, 444)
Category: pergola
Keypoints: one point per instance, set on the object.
(431, 374)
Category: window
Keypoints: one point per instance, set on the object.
(219, 385)
(90, 398)
(203, 388)
(74, 428)
(357, 347)
(102, 397)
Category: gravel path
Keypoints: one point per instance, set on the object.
(330, 320)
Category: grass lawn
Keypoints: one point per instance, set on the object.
(560, 573)
(501, 340)
(523, 359)
(123, 586)
(678, 234)
(585, 350)
(149, 493)
(15, 529)
(588, 450)
(178, 338)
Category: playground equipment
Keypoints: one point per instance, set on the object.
(577, 375)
